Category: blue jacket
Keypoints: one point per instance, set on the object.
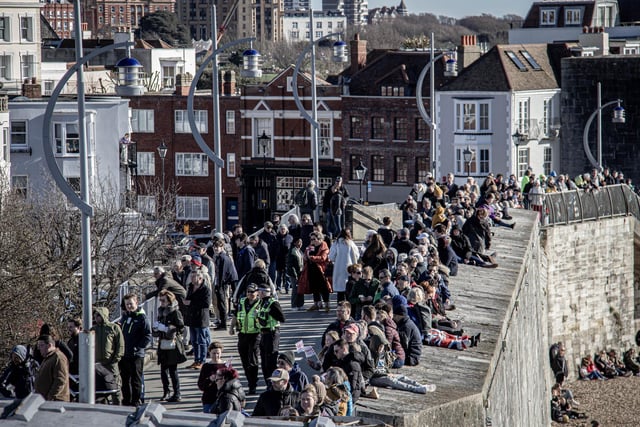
(137, 333)
(297, 378)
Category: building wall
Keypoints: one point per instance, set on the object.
(104, 17)
(295, 25)
(591, 292)
(618, 76)
(61, 17)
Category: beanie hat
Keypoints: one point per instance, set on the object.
(288, 357)
(399, 303)
(20, 351)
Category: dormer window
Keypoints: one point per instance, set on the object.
(547, 17)
(572, 16)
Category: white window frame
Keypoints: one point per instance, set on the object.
(27, 66)
(192, 208)
(523, 159)
(5, 66)
(548, 16)
(260, 125)
(4, 155)
(524, 116)
(26, 28)
(62, 142)
(547, 160)
(5, 32)
(230, 122)
(182, 122)
(192, 164)
(547, 115)
(168, 76)
(15, 133)
(480, 160)
(146, 161)
(572, 16)
(231, 165)
(142, 121)
(472, 116)
(325, 133)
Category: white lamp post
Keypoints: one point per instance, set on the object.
(618, 117)
(250, 68)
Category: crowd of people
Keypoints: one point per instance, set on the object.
(393, 296)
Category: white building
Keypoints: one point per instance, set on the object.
(505, 109)
(296, 24)
(5, 157)
(107, 120)
(19, 43)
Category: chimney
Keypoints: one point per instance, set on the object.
(469, 51)
(358, 50)
(183, 84)
(229, 83)
(595, 37)
(31, 88)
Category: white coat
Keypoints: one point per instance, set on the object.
(343, 253)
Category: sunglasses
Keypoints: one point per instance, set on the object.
(357, 272)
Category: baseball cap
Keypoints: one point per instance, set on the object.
(264, 287)
(279, 375)
(252, 287)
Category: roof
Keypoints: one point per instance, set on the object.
(496, 71)
(532, 19)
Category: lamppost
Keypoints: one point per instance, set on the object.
(618, 117)
(263, 144)
(361, 171)
(450, 71)
(467, 154)
(162, 152)
(339, 55)
(250, 68)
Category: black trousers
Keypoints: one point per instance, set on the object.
(223, 294)
(170, 371)
(249, 349)
(131, 374)
(269, 347)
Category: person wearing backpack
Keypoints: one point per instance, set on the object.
(307, 200)
(19, 374)
(333, 206)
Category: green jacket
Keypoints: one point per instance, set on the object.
(109, 340)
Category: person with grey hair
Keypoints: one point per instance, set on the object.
(307, 199)
(163, 281)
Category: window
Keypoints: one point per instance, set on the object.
(168, 77)
(146, 163)
(5, 67)
(523, 116)
(400, 169)
(531, 60)
(400, 129)
(18, 133)
(485, 163)
(326, 139)
(547, 17)
(472, 116)
(142, 121)
(147, 205)
(4, 28)
(377, 127)
(377, 165)
(547, 160)
(462, 167)
(422, 131)
(182, 122)
(67, 138)
(192, 208)
(4, 155)
(318, 34)
(572, 16)
(26, 28)
(605, 16)
(263, 148)
(192, 164)
(294, 25)
(523, 161)
(231, 122)
(422, 169)
(355, 129)
(28, 67)
(20, 184)
(546, 116)
(231, 165)
(354, 161)
(319, 24)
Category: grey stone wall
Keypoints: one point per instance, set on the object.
(591, 294)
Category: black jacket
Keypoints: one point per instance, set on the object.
(271, 401)
(136, 331)
(199, 306)
(229, 398)
(226, 273)
(410, 340)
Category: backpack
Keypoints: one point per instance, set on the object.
(337, 203)
(300, 198)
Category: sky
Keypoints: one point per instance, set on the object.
(454, 8)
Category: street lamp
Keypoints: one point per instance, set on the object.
(162, 152)
(519, 138)
(467, 154)
(263, 145)
(339, 55)
(249, 69)
(361, 171)
(618, 117)
(450, 71)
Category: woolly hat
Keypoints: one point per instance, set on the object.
(399, 303)
(288, 357)
(20, 351)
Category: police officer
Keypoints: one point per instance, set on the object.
(246, 323)
(269, 317)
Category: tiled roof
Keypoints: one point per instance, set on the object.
(495, 71)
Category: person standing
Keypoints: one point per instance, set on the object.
(207, 378)
(269, 316)
(225, 281)
(74, 326)
(197, 301)
(246, 255)
(52, 381)
(316, 257)
(109, 345)
(343, 254)
(136, 332)
(294, 268)
(246, 323)
(308, 199)
(17, 379)
(168, 328)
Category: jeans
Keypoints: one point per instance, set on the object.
(131, 374)
(282, 280)
(272, 270)
(206, 407)
(337, 223)
(398, 382)
(200, 340)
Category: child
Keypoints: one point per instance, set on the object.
(207, 378)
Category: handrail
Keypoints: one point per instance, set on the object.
(573, 206)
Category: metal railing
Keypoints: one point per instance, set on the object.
(588, 205)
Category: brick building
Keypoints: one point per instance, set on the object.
(59, 14)
(106, 17)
